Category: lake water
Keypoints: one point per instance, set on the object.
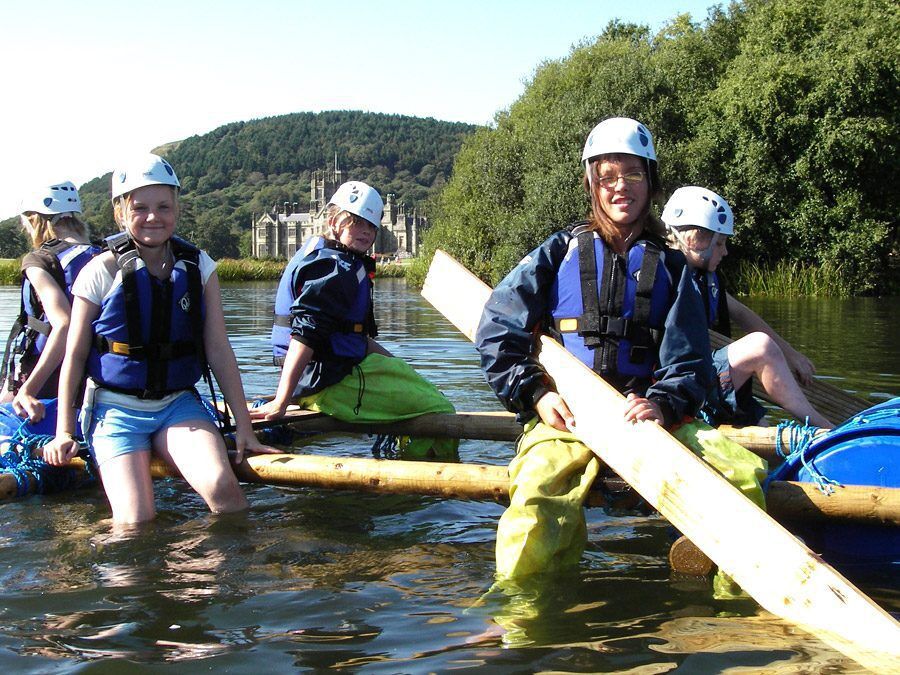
(313, 580)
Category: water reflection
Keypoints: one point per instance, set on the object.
(362, 582)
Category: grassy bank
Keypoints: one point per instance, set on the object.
(250, 269)
(790, 280)
(246, 269)
(9, 271)
(783, 280)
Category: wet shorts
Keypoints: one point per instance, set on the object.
(723, 404)
(116, 430)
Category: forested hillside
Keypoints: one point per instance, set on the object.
(244, 168)
(788, 108)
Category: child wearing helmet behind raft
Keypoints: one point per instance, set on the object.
(37, 341)
(146, 321)
(629, 309)
(323, 330)
(701, 222)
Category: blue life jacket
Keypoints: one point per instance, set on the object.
(614, 329)
(28, 336)
(148, 337)
(351, 341)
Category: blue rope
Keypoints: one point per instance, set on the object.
(17, 459)
(870, 416)
(386, 446)
(801, 437)
(274, 435)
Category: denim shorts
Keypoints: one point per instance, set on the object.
(724, 404)
(116, 430)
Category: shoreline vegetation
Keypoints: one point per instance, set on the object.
(229, 269)
(784, 279)
(787, 108)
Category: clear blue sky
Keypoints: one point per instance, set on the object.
(85, 83)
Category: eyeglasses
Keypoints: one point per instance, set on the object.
(611, 180)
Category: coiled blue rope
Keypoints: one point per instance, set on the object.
(17, 459)
(800, 438)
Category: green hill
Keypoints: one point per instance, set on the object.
(243, 168)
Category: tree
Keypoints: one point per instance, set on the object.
(13, 242)
(788, 108)
(804, 128)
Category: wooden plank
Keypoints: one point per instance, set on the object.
(796, 502)
(782, 574)
(485, 426)
(492, 426)
(836, 404)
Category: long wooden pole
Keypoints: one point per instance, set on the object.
(800, 502)
(835, 404)
(493, 426)
(782, 574)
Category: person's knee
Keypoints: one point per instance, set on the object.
(222, 492)
(754, 349)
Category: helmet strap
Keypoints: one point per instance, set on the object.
(706, 254)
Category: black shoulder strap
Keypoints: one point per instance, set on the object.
(47, 254)
(127, 256)
(190, 254)
(723, 317)
(369, 325)
(589, 323)
(646, 281)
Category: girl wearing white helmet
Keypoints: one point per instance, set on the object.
(322, 335)
(36, 344)
(147, 324)
(625, 306)
(700, 222)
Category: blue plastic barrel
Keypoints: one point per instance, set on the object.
(865, 450)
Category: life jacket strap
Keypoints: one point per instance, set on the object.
(160, 351)
(143, 394)
(42, 327)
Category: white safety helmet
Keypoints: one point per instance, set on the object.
(698, 207)
(618, 135)
(361, 200)
(148, 169)
(54, 200)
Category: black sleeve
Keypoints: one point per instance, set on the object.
(506, 334)
(326, 295)
(685, 365)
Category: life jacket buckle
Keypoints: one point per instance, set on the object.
(567, 325)
(120, 348)
(638, 353)
(615, 326)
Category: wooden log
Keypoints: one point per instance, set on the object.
(778, 571)
(486, 426)
(494, 426)
(9, 486)
(796, 502)
(763, 441)
(836, 404)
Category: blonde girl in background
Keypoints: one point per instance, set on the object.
(51, 217)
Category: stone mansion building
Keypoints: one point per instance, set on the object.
(281, 231)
